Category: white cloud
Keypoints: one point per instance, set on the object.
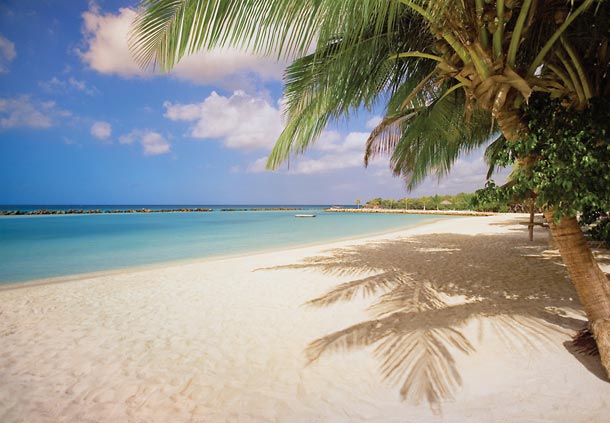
(106, 38)
(7, 53)
(228, 67)
(330, 153)
(130, 138)
(56, 85)
(328, 163)
(79, 85)
(52, 85)
(101, 130)
(467, 175)
(258, 166)
(373, 122)
(241, 121)
(22, 111)
(336, 153)
(106, 50)
(329, 141)
(152, 143)
(69, 141)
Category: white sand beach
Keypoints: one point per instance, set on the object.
(463, 320)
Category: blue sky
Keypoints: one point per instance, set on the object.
(81, 123)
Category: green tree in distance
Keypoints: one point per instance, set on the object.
(445, 70)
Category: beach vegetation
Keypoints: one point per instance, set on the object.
(597, 225)
(452, 76)
(489, 199)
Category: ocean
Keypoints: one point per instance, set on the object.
(46, 246)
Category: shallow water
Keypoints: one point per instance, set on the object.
(33, 247)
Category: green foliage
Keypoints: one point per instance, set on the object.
(601, 231)
(495, 199)
(598, 224)
(428, 139)
(440, 69)
(568, 152)
(461, 201)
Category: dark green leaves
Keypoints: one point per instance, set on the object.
(566, 156)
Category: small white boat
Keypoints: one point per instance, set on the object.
(304, 215)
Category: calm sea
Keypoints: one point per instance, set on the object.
(34, 247)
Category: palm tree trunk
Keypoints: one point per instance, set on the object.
(530, 226)
(591, 283)
(511, 124)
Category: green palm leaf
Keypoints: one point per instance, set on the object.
(165, 30)
(429, 138)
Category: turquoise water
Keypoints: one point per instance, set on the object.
(34, 247)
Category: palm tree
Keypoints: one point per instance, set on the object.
(358, 204)
(448, 72)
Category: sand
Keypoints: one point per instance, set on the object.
(458, 320)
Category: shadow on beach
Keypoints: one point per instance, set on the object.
(425, 289)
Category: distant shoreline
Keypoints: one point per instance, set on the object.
(142, 210)
(411, 211)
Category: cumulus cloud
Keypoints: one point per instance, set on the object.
(468, 174)
(101, 130)
(52, 85)
(229, 68)
(332, 142)
(334, 153)
(24, 112)
(57, 85)
(79, 85)
(152, 143)
(373, 122)
(241, 121)
(82, 86)
(258, 166)
(105, 36)
(331, 152)
(7, 53)
(327, 163)
(106, 50)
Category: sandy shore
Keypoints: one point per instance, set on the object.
(459, 320)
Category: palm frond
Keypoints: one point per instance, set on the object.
(354, 40)
(407, 102)
(165, 30)
(337, 79)
(431, 140)
(493, 152)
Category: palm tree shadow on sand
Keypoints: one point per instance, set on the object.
(425, 289)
